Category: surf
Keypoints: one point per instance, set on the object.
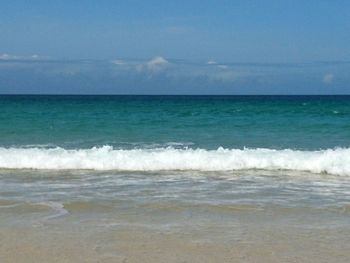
(330, 161)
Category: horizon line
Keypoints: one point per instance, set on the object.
(111, 94)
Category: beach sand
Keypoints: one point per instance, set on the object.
(91, 233)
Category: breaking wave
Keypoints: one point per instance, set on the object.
(331, 161)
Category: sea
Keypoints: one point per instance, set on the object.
(212, 166)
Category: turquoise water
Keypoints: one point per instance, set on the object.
(140, 151)
(207, 122)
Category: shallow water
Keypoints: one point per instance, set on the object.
(173, 191)
(251, 216)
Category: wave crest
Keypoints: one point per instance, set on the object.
(331, 161)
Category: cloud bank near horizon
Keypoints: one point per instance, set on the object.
(36, 74)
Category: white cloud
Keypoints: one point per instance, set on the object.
(155, 65)
(211, 62)
(118, 62)
(328, 78)
(157, 62)
(6, 56)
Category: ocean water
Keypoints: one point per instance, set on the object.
(173, 162)
(175, 178)
(206, 122)
(152, 133)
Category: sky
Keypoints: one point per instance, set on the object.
(175, 47)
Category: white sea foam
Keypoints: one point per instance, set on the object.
(58, 210)
(332, 161)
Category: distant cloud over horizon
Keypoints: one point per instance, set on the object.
(157, 64)
(160, 75)
(6, 56)
(328, 78)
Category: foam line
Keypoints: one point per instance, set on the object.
(332, 161)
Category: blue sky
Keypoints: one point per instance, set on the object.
(171, 47)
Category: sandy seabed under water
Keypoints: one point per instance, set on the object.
(90, 232)
(256, 216)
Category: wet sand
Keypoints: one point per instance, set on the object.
(101, 233)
